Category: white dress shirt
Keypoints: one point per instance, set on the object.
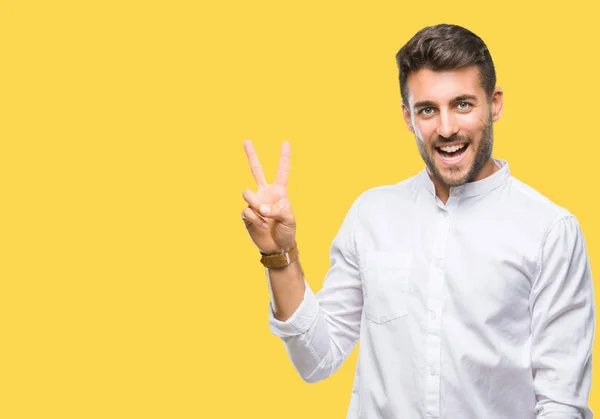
(482, 308)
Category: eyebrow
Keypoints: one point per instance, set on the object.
(429, 103)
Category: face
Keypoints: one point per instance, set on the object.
(451, 117)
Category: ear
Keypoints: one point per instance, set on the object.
(407, 118)
(497, 103)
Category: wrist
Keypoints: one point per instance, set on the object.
(280, 259)
(280, 250)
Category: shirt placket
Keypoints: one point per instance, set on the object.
(434, 309)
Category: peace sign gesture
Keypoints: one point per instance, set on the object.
(269, 218)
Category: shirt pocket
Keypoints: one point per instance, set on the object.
(385, 282)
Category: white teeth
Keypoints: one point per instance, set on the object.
(453, 148)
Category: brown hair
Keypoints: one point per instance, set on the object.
(445, 47)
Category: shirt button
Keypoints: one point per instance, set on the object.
(431, 372)
(431, 314)
(439, 263)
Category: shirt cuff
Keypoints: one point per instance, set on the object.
(302, 319)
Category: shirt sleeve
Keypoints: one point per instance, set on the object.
(324, 329)
(562, 324)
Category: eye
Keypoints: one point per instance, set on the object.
(464, 105)
(426, 111)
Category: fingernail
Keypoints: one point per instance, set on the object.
(265, 225)
(265, 209)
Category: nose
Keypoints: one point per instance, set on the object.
(447, 124)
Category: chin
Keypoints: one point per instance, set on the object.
(454, 181)
(454, 176)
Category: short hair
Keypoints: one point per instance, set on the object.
(445, 47)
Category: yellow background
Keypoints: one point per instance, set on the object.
(128, 285)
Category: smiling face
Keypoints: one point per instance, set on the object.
(451, 117)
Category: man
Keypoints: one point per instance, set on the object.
(470, 292)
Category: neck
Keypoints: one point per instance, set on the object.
(443, 191)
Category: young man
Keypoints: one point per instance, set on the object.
(470, 292)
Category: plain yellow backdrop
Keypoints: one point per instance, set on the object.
(128, 285)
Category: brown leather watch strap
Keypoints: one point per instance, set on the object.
(280, 260)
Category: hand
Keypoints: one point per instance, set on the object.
(269, 218)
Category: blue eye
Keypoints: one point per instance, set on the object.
(426, 111)
(464, 105)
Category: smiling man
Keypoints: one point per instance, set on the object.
(471, 293)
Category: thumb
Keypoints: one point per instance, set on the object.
(280, 211)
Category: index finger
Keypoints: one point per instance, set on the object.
(284, 164)
(255, 166)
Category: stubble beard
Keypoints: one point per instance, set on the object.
(482, 155)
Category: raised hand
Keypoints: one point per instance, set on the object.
(269, 218)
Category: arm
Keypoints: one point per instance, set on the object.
(324, 329)
(562, 324)
(287, 289)
(318, 331)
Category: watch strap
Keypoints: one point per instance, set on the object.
(280, 260)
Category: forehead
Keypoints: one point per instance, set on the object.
(443, 86)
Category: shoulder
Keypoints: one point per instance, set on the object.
(534, 202)
(534, 215)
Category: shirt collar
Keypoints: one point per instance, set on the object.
(472, 188)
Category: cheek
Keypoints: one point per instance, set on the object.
(424, 130)
(473, 124)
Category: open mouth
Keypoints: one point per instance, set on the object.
(452, 154)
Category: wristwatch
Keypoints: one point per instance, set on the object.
(279, 260)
